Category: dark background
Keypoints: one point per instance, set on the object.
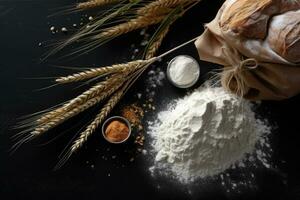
(92, 173)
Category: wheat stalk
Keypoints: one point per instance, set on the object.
(95, 3)
(96, 72)
(124, 70)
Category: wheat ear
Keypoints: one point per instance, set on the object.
(83, 137)
(82, 98)
(131, 25)
(159, 6)
(96, 72)
(156, 44)
(95, 3)
(97, 89)
(50, 115)
(97, 121)
(75, 111)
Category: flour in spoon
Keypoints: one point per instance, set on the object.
(204, 134)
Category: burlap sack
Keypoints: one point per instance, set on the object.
(260, 53)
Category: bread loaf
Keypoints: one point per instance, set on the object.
(250, 18)
(284, 35)
(258, 43)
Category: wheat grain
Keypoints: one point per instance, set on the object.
(95, 3)
(98, 72)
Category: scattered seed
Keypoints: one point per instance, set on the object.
(139, 95)
(64, 29)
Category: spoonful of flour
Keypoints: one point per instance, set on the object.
(204, 134)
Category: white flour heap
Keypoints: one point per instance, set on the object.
(204, 134)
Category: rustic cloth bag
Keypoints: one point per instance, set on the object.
(258, 43)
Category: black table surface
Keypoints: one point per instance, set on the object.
(28, 173)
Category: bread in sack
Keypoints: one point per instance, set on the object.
(258, 43)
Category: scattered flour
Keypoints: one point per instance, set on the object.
(204, 134)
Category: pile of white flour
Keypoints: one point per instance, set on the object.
(203, 134)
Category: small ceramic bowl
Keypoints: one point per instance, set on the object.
(118, 118)
(182, 86)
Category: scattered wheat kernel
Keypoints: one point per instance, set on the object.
(64, 29)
